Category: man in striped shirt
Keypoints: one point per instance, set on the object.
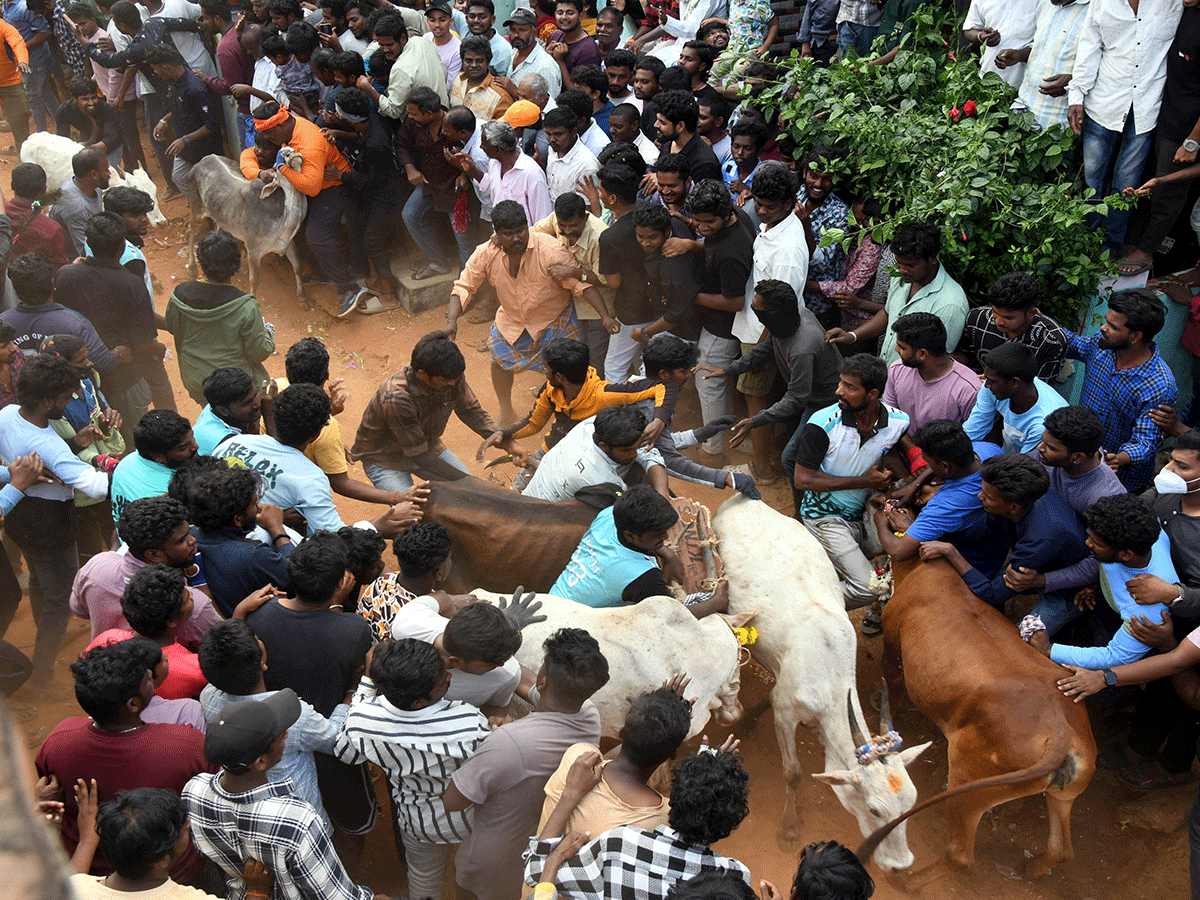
(401, 720)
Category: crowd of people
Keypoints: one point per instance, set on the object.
(632, 222)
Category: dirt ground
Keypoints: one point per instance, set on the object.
(1114, 858)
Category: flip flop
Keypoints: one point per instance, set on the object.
(1151, 776)
(429, 271)
(1129, 269)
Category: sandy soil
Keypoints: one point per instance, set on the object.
(1113, 858)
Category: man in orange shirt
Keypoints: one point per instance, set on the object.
(328, 200)
(14, 62)
(530, 272)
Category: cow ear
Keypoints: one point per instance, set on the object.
(737, 620)
(269, 188)
(909, 756)
(842, 776)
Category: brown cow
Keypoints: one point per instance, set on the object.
(1011, 732)
(503, 540)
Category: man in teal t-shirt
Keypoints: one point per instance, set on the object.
(163, 441)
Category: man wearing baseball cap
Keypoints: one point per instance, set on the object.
(528, 55)
(237, 814)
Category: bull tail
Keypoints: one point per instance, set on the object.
(1052, 759)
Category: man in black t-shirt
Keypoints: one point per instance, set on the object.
(194, 114)
(728, 256)
(319, 652)
(678, 113)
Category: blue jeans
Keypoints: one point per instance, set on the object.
(1121, 155)
(245, 129)
(1056, 611)
(857, 36)
(397, 480)
(417, 210)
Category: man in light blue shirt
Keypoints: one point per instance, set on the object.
(1012, 390)
(234, 407)
(232, 659)
(164, 441)
(42, 524)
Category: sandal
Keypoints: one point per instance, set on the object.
(872, 622)
(1129, 269)
(1151, 776)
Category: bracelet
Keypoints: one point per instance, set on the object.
(257, 894)
(854, 337)
(395, 497)
(187, 138)
(278, 536)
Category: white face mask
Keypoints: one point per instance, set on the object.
(1168, 482)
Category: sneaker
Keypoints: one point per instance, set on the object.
(872, 622)
(373, 305)
(350, 301)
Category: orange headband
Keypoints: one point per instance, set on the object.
(278, 119)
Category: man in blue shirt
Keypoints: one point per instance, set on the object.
(163, 442)
(955, 513)
(1127, 379)
(32, 19)
(1043, 532)
(1012, 391)
(235, 406)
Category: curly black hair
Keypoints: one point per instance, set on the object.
(217, 497)
(567, 357)
(829, 871)
(1123, 522)
(575, 667)
(230, 657)
(364, 551)
(919, 240)
(651, 215)
(106, 677)
(678, 107)
(708, 797)
(1078, 428)
(712, 884)
(774, 182)
(45, 377)
(317, 566)
(307, 362)
(301, 411)
(710, 198)
(138, 828)
(422, 548)
(619, 426)
(656, 724)
(153, 599)
(159, 431)
(621, 153)
(922, 331)
(146, 524)
(1142, 309)
(406, 671)
(182, 479)
(436, 354)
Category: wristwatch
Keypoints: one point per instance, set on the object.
(1110, 677)
(1191, 146)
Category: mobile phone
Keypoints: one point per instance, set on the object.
(325, 28)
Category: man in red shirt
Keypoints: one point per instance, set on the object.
(32, 228)
(115, 747)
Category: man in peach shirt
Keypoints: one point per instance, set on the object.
(531, 274)
(328, 200)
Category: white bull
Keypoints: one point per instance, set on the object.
(263, 216)
(777, 570)
(53, 153)
(645, 645)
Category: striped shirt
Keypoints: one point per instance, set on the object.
(419, 749)
(1055, 40)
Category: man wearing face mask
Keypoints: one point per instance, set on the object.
(796, 343)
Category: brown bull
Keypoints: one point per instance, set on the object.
(1011, 732)
(503, 540)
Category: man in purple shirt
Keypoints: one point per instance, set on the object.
(570, 45)
(237, 68)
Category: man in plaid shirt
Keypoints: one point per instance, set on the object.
(708, 801)
(1126, 380)
(237, 814)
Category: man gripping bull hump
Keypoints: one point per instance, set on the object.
(327, 199)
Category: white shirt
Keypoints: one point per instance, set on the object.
(576, 462)
(266, 78)
(780, 252)
(351, 44)
(419, 619)
(1121, 62)
(540, 62)
(188, 44)
(1055, 40)
(647, 148)
(595, 139)
(564, 172)
(1015, 20)
(19, 437)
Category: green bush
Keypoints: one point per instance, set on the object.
(934, 141)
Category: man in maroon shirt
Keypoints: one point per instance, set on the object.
(237, 68)
(115, 747)
(32, 229)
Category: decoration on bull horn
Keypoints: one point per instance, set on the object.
(868, 749)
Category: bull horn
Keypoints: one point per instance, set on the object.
(856, 733)
(885, 711)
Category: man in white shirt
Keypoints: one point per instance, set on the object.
(998, 25)
(602, 450)
(476, 641)
(189, 45)
(570, 161)
(1115, 93)
(781, 253)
